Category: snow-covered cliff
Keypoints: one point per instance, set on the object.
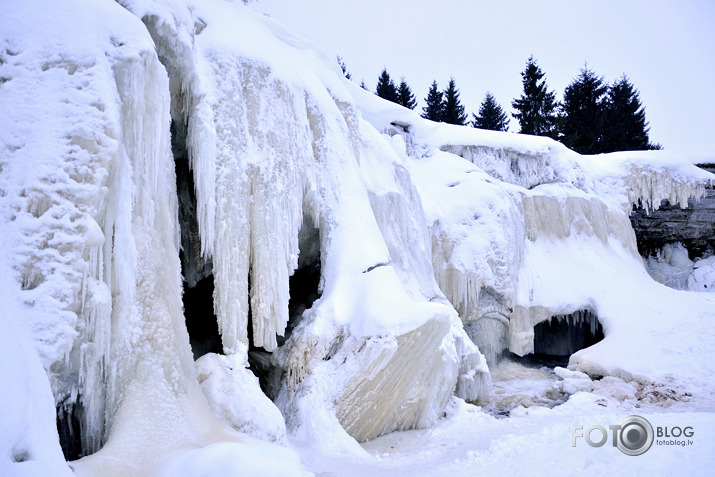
(348, 248)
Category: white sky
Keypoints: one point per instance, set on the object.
(667, 48)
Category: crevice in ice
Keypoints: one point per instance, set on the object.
(304, 285)
(373, 267)
(69, 428)
(562, 335)
(201, 321)
(194, 266)
(260, 360)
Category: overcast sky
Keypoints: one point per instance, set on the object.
(667, 48)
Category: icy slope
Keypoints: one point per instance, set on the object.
(527, 229)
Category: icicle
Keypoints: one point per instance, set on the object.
(649, 187)
(523, 168)
(261, 179)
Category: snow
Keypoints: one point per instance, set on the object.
(533, 440)
(430, 237)
(29, 443)
(703, 276)
(236, 398)
(672, 267)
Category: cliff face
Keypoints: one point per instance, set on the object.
(694, 227)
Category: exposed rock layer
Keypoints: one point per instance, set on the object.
(694, 227)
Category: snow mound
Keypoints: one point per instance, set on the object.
(235, 397)
(703, 276)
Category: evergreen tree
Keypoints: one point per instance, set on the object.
(583, 111)
(386, 87)
(344, 68)
(435, 106)
(491, 115)
(536, 108)
(453, 109)
(625, 127)
(405, 96)
(363, 85)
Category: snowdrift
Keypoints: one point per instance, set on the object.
(169, 142)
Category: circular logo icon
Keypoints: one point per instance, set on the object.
(635, 436)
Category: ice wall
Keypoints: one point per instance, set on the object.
(92, 185)
(89, 199)
(290, 146)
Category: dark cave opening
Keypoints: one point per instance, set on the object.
(530, 380)
(557, 338)
(304, 284)
(198, 283)
(201, 322)
(69, 429)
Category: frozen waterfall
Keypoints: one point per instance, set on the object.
(191, 195)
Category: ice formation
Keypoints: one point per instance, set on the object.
(703, 276)
(169, 142)
(672, 267)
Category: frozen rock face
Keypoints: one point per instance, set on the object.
(694, 226)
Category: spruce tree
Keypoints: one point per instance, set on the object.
(583, 111)
(625, 127)
(491, 115)
(363, 85)
(344, 68)
(405, 96)
(386, 87)
(435, 107)
(453, 109)
(536, 108)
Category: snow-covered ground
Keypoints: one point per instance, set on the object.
(537, 441)
(419, 230)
